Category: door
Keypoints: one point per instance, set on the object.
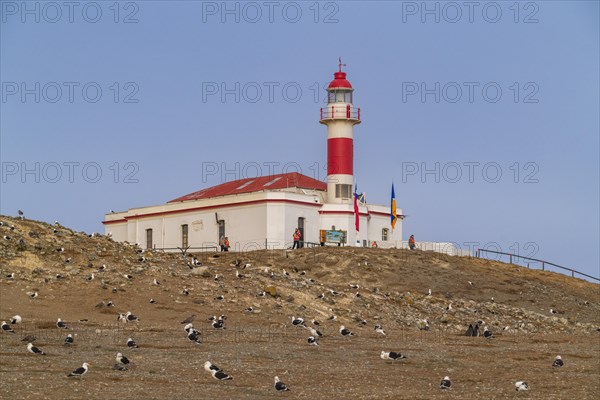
(221, 229)
(301, 228)
(148, 238)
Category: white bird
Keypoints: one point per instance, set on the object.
(345, 331)
(11, 275)
(558, 362)
(280, 386)
(210, 367)
(312, 341)
(449, 308)
(391, 355)
(16, 319)
(69, 339)
(188, 327)
(220, 375)
(429, 292)
(156, 282)
(314, 332)
(298, 321)
(238, 275)
(130, 317)
(79, 372)
(6, 327)
(131, 343)
(61, 324)
(128, 277)
(446, 383)
(487, 333)
(286, 273)
(218, 324)
(521, 385)
(34, 350)
(33, 295)
(121, 359)
(353, 286)
(185, 292)
(91, 277)
(379, 330)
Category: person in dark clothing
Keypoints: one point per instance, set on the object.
(411, 242)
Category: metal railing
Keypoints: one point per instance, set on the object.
(333, 112)
(543, 262)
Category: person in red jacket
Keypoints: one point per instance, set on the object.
(297, 235)
(411, 242)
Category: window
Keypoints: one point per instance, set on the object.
(343, 191)
(384, 234)
(148, 238)
(184, 236)
(340, 96)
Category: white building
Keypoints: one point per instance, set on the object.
(263, 212)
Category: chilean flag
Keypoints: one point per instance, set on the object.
(356, 215)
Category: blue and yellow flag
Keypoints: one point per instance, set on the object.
(393, 215)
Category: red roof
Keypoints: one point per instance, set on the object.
(340, 81)
(248, 185)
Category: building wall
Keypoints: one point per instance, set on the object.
(269, 219)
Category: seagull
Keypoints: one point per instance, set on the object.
(423, 324)
(449, 308)
(131, 343)
(185, 292)
(217, 277)
(102, 268)
(221, 297)
(391, 355)
(558, 362)
(33, 295)
(470, 283)
(61, 324)
(127, 276)
(333, 292)
(487, 333)
(7, 328)
(10, 276)
(16, 319)
(238, 275)
(121, 359)
(286, 273)
(220, 375)
(69, 339)
(521, 385)
(445, 384)
(189, 319)
(345, 331)
(261, 294)
(6, 237)
(130, 317)
(188, 327)
(298, 321)
(353, 286)
(79, 372)
(122, 317)
(379, 330)
(321, 296)
(249, 310)
(210, 367)
(552, 311)
(429, 292)
(60, 249)
(152, 301)
(280, 386)
(312, 341)
(110, 304)
(218, 324)
(91, 277)
(157, 283)
(315, 322)
(34, 350)
(313, 331)
(302, 273)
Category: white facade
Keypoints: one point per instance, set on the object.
(253, 221)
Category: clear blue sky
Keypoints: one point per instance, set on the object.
(159, 122)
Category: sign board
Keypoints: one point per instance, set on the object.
(329, 236)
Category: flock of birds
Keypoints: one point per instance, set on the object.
(193, 335)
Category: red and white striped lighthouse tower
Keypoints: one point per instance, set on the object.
(340, 116)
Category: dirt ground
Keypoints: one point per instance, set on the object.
(255, 347)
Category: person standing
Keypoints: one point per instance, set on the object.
(297, 235)
(411, 242)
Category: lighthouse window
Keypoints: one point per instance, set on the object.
(343, 191)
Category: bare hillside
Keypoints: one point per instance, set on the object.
(65, 268)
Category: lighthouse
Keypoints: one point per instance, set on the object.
(340, 116)
(265, 211)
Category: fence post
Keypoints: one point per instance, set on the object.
(510, 256)
(543, 266)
